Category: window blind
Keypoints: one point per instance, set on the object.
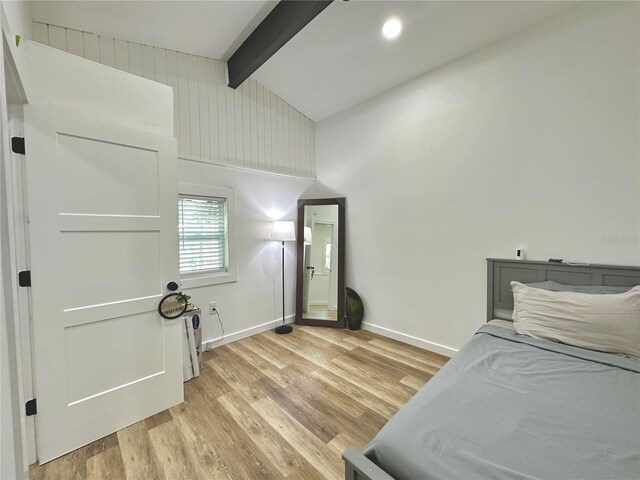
(202, 234)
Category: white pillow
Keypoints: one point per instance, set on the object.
(608, 323)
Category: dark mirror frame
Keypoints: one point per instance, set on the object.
(340, 202)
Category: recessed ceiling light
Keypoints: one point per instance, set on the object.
(392, 28)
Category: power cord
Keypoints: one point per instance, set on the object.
(210, 347)
(573, 264)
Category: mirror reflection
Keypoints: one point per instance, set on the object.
(320, 276)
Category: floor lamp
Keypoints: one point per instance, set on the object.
(283, 231)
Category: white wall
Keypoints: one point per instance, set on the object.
(249, 127)
(18, 17)
(532, 142)
(256, 298)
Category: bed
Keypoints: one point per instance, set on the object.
(498, 408)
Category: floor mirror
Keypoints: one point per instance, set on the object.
(320, 272)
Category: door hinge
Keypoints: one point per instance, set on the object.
(31, 407)
(17, 145)
(24, 278)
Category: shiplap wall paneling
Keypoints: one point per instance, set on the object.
(249, 127)
(91, 44)
(237, 99)
(75, 42)
(246, 118)
(214, 131)
(203, 94)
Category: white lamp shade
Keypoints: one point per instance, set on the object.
(283, 231)
(307, 236)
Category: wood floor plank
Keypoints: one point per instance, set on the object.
(359, 392)
(53, 470)
(331, 335)
(266, 407)
(374, 382)
(256, 345)
(388, 366)
(300, 346)
(102, 445)
(313, 420)
(364, 335)
(238, 373)
(369, 423)
(319, 344)
(106, 465)
(303, 441)
(157, 419)
(272, 341)
(138, 455)
(201, 444)
(310, 393)
(174, 455)
(37, 472)
(229, 442)
(411, 351)
(331, 395)
(287, 461)
(356, 341)
(232, 367)
(406, 357)
(200, 440)
(282, 376)
(209, 384)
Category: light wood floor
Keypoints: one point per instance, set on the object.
(269, 406)
(321, 312)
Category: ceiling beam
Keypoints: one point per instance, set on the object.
(283, 22)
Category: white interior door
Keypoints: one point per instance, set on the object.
(102, 202)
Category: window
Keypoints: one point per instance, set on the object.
(205, 235)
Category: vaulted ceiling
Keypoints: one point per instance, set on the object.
(339, 60)
(209, 28)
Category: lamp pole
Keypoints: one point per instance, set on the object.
(284, 328)
(283, 231)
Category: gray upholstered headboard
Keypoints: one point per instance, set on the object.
(500, 274)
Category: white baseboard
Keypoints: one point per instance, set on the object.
(247, 332)
(410, 339)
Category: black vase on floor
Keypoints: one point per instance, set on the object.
(355, 309)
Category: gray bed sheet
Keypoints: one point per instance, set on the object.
(508, 406)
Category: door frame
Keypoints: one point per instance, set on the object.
(333, 274)
(13, 168)
(19, 232)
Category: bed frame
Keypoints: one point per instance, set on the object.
(500, 274)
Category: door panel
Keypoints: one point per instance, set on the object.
(91, 170)
(103, 225)
(133, 360)
(133, 270)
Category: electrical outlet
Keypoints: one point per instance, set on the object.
(213, 306)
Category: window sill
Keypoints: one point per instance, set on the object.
(207, 279)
